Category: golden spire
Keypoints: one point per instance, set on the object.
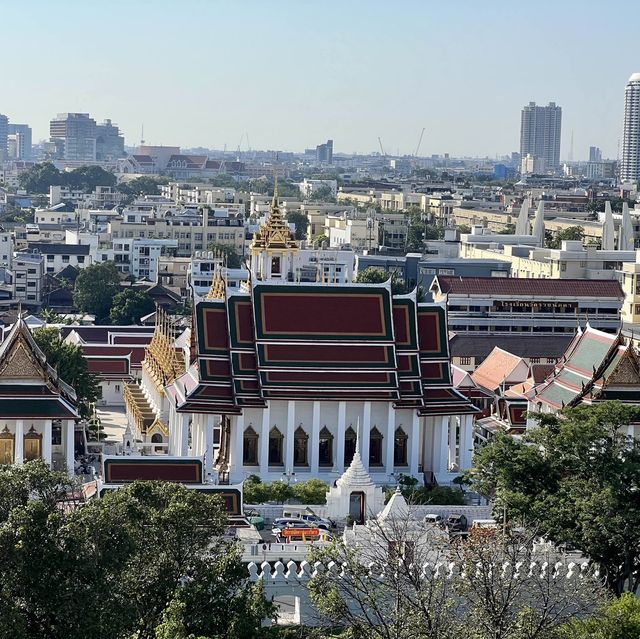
(160, 358)
(218, 286)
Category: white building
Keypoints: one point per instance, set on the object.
(630, 161)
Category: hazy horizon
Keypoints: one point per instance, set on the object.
(290, 75)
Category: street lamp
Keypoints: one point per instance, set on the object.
(288, 476)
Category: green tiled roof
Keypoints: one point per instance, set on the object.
(557, 395)
(17, 408)
(589, 353)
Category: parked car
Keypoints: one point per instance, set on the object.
(433, 520)
(457, 523)
(280, 524)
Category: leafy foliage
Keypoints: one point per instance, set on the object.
(554, 241)
(145, 561)
(71, 365)
(232, 257)
(140, 186)
(129, 306)
(322, 194)
(301, 221)
(40, 177)
(95, 288)
(311, 492)
(618, 619)
(577, 479)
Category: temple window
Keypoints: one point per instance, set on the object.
(375, 447)
(400, 448)
(6, 446)
(250, 447)
(32, 445)
(300, 447)
(156, 438)
(275, 447)
(275, 266)
(349, 445)
(325, 448)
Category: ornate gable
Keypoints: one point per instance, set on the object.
(19, 363)
(626, 371)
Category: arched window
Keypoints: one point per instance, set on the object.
(275, 447)
(375, 447)
(300, 447)
(275, 266)
(400, 448)
(250, 447)
(325, 448)
(349, 445)
(156, 438)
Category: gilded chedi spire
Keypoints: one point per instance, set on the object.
(275, 233)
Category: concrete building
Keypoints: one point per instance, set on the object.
(4, 132)
(28, 277)
(6, 249)
(324, 152)
(540, 130)
(631, 288)
(630, 161)
(109, 142)
(359, 233)
(495, 305)
(76, 135)
(308, 187)
(22, 139)
(58, 256)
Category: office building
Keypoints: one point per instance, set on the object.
(22, 138)
(630, 162)
(76, 134)
(109, 142)
(4, 126)
(595, 154)
(540, 130)
(324, 152)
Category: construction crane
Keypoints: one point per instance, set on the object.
(415, 153)
(381, 149)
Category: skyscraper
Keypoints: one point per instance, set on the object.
(324, 152)
(4, 124)
(630, 161)
(77, 131)
(595, 154)
(23, 140)
(540, 129)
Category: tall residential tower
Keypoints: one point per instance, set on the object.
(630, 161)
(540, 129)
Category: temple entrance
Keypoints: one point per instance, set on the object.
(357, 507)
(32, 445)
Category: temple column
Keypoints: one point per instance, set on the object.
(18, 456)
(466, 441)
(288, 442)
(453, 432)
(315, 438)
(264, 440)
(366, 434)
(237, 439)
(342, 427)
(208, 452)
(414, 450)
(69, 446)
(391, 438)
(184, 434)
(440, 444)
(46, 441)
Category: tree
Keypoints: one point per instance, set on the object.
(88, 178)
(39, 178)
(323, 194)
(301, 221)
(464, 228)
(491, 587)
(618, 619)
(554, 241)
(95, 288)
(288, 190)
(71, 365)
(372, 275)
(509, 229)
(231, 255)
(311, 492)
(577, 479)
(140, 186)
(146, 561)
(129, 306)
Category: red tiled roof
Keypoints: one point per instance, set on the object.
(524, 286)
(496, 369)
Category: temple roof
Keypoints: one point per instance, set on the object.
(318, 341)
(275, 233)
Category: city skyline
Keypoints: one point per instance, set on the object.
(301, 75)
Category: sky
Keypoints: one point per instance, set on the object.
(289, 74)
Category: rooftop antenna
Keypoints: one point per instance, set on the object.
(571, 148)
(142, 136)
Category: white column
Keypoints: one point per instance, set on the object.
(466, 442)
(237, 438)
(69, 446)
(288, 442)
(264, 440)
(390, 438)
(18, 456)
(440, 444)
(366, 432)
(184, 434)
(208, 453)
(342, 427)
(315, 438)
(453, 431)
(47, 427)
(414, 445)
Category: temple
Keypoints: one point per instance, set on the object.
(38, 409)
(275, 376)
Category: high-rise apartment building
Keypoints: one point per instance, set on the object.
(630, 161)
(77, 133)
(540, 129)
(4, 125)
(109, 142)
(324, 152)
(22, 140)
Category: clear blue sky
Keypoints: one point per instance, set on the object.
(292, 73)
